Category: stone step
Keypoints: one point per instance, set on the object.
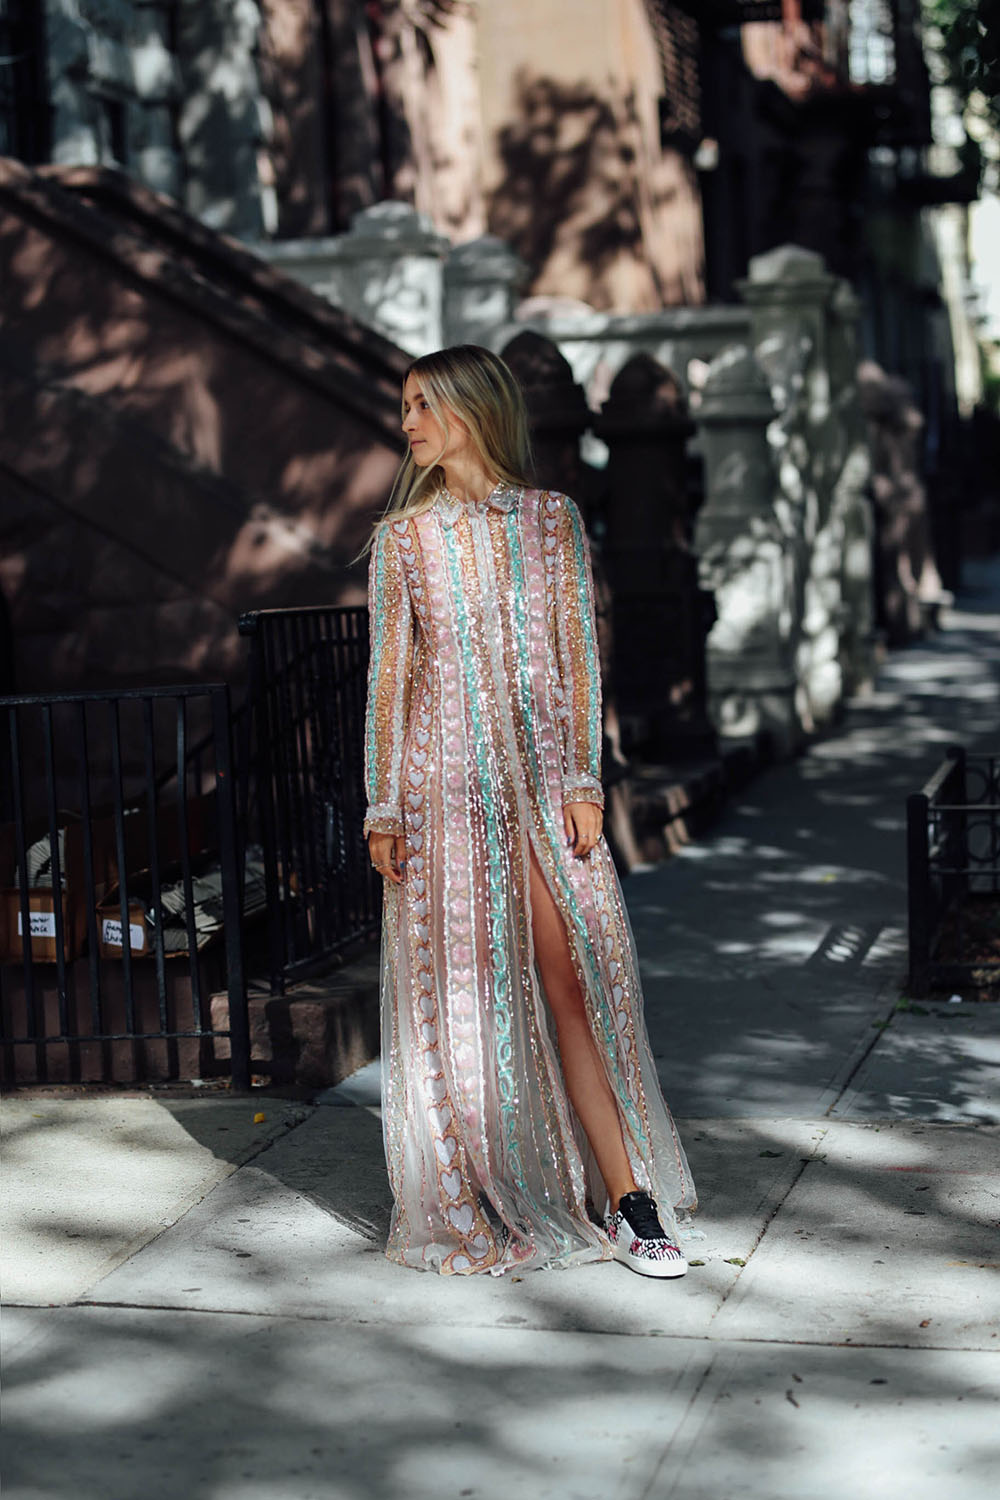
(316, 1034)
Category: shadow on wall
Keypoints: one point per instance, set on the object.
(570, 201)
(179, 443)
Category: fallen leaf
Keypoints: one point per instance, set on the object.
(696, 1262)
(770, 1153)
(926, 1323)
(259, 1118)
(735, 1261)
(791, 1398)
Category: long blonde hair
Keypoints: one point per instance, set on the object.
(481, 390)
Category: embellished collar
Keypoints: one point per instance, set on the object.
(503, 497)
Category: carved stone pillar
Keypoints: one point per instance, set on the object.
(747, 559)
(481, 283)
(660, 614)
(386, 271)
(788, 293)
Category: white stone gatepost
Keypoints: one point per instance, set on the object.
(746, 559)
(788, 292)
(387, 270)
(482, 278)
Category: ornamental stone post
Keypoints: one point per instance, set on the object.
(482, 279)
(747, 560)
(660, 614)
(789, 292)
(387, 271)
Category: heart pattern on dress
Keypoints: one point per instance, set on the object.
(462, 1218)
(445, 1149)
(452, 1183)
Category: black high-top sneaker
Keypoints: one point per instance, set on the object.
(638, 1238)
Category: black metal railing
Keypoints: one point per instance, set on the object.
(308, 678)
(953, 874)
(122, 879)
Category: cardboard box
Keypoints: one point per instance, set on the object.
(109, 930)
(140, 900)
(41, 900)
(42, 925)
(201, 819)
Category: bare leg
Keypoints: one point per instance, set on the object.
(586, 1080)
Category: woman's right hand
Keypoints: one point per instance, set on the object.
(387, 852)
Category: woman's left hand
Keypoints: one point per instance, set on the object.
(583, 822)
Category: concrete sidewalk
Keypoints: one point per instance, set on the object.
(224, 1326)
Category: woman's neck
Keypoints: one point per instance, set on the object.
(467, 480)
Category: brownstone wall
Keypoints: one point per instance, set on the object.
(184, 436)
(577, 179)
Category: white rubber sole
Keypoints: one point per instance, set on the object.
(663, 1270)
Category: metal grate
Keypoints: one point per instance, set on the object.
(308, 685)
(953, 869)
(116, 831)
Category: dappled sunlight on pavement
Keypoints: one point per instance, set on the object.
(837, 1332)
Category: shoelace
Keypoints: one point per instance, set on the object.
(640, 1211)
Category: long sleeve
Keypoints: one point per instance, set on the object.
(390, 668)
(578, 694)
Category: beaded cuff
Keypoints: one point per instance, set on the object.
(582, 788)
(382, 820)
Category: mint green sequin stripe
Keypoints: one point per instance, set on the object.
(377, 647)
(499, 958)
(555, 833)
(590, 641)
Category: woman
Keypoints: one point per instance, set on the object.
(518, 1081)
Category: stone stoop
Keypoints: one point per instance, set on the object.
(671, 805)
(318, 1033)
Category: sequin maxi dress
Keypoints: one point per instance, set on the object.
(484, 718)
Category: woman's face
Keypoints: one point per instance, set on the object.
(429, 443)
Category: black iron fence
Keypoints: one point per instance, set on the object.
(308, 677)
(953, 859)
(122, 888)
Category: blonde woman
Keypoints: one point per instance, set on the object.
(520, 1096)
